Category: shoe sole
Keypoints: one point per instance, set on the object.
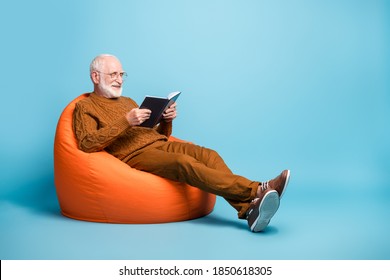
(285, 184)
(267, 209)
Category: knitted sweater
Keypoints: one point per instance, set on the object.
(99, 123)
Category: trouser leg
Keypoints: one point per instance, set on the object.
(197, 166)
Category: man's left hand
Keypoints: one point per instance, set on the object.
(170, 113)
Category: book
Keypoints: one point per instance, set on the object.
(157, 105)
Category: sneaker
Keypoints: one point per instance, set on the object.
(279, 183)
(261, 210)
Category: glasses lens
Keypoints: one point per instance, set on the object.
(116, 75)
(123, 75)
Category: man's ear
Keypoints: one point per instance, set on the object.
(95, 77)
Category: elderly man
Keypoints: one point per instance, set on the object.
(106, 120)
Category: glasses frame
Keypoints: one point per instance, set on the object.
(115, 75)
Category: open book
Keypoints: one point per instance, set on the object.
(157, 105)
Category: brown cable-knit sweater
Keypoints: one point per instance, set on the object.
(99, 124)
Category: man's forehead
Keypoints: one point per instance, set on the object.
(112, 64)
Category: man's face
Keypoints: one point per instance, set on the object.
(110, 80)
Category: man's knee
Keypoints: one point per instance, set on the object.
(213, 158)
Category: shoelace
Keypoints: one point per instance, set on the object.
(264, 185)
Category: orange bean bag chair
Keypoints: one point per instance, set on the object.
(99, 187)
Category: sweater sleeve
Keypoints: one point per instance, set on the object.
(92, 138)
(164, 128)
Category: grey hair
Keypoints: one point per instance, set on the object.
(97, 62)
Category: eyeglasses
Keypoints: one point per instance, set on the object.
(115, 75)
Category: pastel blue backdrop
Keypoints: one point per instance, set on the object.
(274, 84)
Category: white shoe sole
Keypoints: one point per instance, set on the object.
(285, 184)
(267, 209)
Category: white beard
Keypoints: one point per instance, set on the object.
(108, 91)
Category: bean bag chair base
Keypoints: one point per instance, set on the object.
(98, 187)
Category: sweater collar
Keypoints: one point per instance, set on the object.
(103, 99)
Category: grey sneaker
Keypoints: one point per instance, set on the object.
(261, 210)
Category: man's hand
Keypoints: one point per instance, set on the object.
(137, 116)
(170, 113)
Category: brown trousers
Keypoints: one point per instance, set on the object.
(199, 167)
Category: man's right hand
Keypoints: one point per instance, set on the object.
(137, 116)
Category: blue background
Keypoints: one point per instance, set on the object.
(270, 85)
